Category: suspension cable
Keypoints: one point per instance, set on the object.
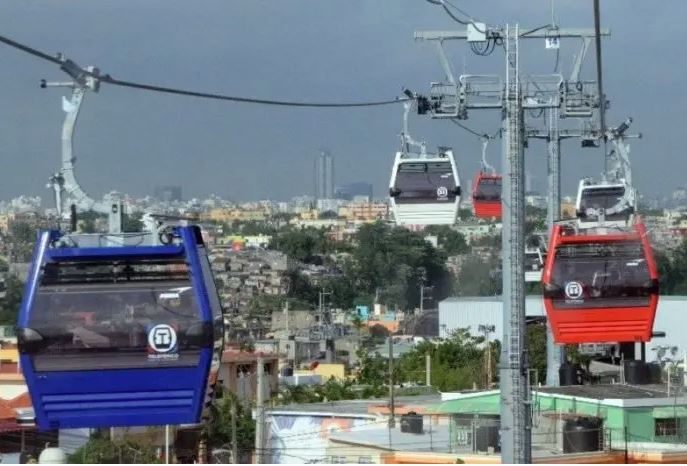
(59, 60)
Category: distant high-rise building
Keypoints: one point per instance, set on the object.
(348, 191)
(324, 176)
(167, 193)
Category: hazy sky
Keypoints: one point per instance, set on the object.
(332, 50)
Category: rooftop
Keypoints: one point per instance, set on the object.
(354, 407)
(434, 439)
(612, 391)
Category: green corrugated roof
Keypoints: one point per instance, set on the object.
(484, 405)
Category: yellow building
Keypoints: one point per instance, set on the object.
(326, 371)
(4, 223)
(312, 214)
(365, 211)
(242, 215)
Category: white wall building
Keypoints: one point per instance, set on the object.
(471, 312)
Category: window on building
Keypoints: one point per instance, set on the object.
(666, 427)
(339, 460)
(365, 460)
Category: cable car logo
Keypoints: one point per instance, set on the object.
(162, 342)
(573, 290)
(442, 191)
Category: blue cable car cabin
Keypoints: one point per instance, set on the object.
(120, 335)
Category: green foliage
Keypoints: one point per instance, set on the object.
(132, 223)
(87, 221)
(536, 345)
(393, 262)
(329, 215)
(302, 290)
(103, 450)
(253, 228)
(452, 242)
(331, 390)
(373, 368)
(343, 291)
(478, 277)
(379, 333)
(23, 232)
(457, 363)
(302, 244)
(22, 238)
(672, 270)
(9, 305)
(465, 213)
(262, 306)
(218, 430)
(492, 241)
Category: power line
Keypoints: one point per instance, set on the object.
(59, 60)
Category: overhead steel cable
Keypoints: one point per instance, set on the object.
(168, 90)
(473, 132)
(37, 53)
(106, 78)
(599, 70)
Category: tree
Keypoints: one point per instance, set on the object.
(536, 346)
(132, 223)
(457, 363)
(218, 430)
(22, 237)
(302, 244)
(478, 277)
(329, 214)
(391, 262)
(372, 366)
(9, 305)
(103, 450)
(452, 242)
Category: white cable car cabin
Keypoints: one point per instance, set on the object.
(607, 203)
(535, 256)
(425, 188)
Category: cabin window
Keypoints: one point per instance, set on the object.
(488, 189)
(601, 275)
(116, 316)
(424, 182)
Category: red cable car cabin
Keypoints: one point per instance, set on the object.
(600, 285)
(486, 195)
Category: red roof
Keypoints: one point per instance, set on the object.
(9, 368)
(7, 412)
(21, 401)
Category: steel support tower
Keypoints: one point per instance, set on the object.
(452, 99)
(516, 432)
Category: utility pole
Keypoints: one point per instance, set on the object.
(486, 330)
(260, 414)
(392, 407)
(234, 445)
(428, 370)
(326, 325)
